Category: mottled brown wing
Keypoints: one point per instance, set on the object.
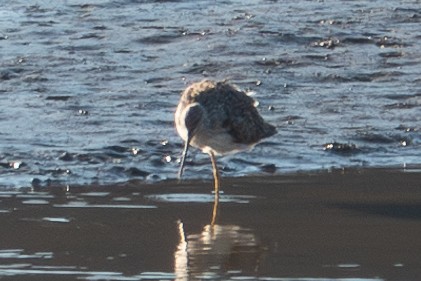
(232, 110)
(246, 125)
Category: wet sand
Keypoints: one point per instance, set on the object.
(342, 224)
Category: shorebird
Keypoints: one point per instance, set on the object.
(219, 119)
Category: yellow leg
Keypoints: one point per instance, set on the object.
(216, 179)
(215, 173)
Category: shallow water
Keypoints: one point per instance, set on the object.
(299, 228)
(88, 89)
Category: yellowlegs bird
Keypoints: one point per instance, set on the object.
(219, 119)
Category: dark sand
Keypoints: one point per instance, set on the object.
(344, 224)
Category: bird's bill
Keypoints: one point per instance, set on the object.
(183, 158)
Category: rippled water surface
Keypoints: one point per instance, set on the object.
(88, 88)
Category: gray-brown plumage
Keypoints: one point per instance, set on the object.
(218, 118)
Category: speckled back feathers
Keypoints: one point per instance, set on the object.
(229, 109)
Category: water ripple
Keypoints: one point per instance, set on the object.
(79, 79)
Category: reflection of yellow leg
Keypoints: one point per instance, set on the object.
(215, 209)
(216, 179)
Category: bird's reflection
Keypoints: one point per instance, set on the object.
(217, 251)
